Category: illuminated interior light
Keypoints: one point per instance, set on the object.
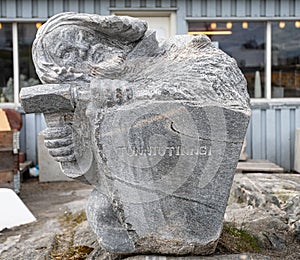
(281, 25)
(38, 25)
(213, 26)
(297, 24)
(245, 25)
(211, 33)
(229, 25)
(0, 26)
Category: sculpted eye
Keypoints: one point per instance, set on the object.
(97, 57)
(66, 55)
(69, 53)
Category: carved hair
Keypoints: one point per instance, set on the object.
(122, 31)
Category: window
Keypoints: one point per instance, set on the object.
(6, 63)
(26, 36)
(164, 22)
(16, 60)
(285, 59)
(244, 41)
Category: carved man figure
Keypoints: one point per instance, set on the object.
(156, 127)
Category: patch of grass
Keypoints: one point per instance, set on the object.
(63, 244)
(70, 220)
(235, 240)
(73, 253)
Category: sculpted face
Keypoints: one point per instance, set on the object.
(83, 50)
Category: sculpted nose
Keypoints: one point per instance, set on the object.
(83, 52)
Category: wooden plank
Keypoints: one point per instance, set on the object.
(284, 8)
(255, 8)
(6, 140)
(6, 177)
(270, 135)
(4, 124)
(258, 166)
(292, 136)
(74, 6)
(189, 8)
(297, 8)
(233, 9)
(248, 8)
(103, 8)
(195, 8)
(262, 8)
(135, 3)
(89, 6)
(18, 9)
(14, 118)
(23, 135)
(165, 4)
(226, 10)
(42, 9)
(50, 9)
(25, 166)
(263, 134)
(277, 8)
(249, 139)
(1, 8)
(241, 8)
(270, 8)
(256, 134)
(150, 3)
(58, 7)
(278, 131)
(8, 161)
(26, 8)
(211, 8)
(218, 8)
(182, 26)
(11, 11)
(297, 118)
(120, 4)
(285, 139)
(31, 137)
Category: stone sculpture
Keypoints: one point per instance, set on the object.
(156, 127)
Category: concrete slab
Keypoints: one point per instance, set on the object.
(264, 166)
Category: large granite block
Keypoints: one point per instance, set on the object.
(156, 127)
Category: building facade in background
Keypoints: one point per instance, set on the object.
(262, 35)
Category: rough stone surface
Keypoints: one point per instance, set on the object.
(50, 202)
(156, 127)
(270, 201)
(217, 257)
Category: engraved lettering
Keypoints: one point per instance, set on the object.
(170, 151)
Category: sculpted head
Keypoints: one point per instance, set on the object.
(87, 46)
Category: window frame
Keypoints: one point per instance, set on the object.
(268, 51)
(268, 48)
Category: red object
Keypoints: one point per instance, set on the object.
(14, 118)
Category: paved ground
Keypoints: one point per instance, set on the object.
(57, 206)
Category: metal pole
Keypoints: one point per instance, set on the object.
(268, 61)
(16, 62)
